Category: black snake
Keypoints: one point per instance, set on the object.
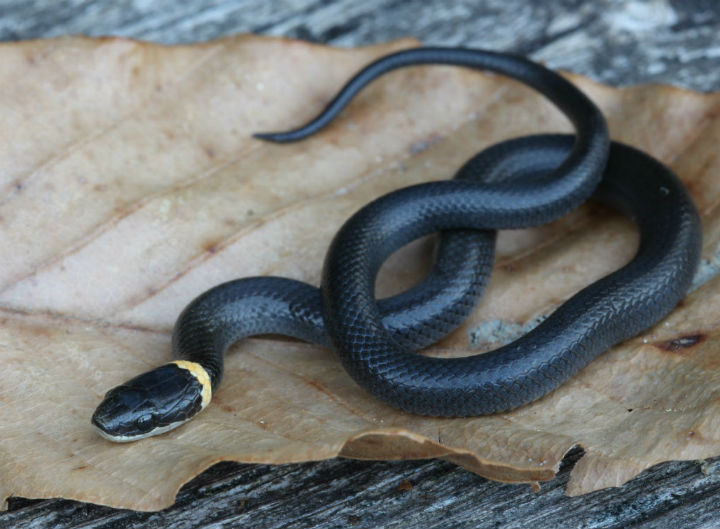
(518, 183)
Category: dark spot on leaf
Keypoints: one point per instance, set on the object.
(419, 146)
(683, 342)
(629, 410)
(210, 152)
(227, 408)
(423, 145)
(212, 247)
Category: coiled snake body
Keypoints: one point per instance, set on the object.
(518, 183)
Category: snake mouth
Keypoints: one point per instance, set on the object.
(98, 423)
(104, 429)
(106, 424)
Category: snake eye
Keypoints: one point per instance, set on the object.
(144, 423)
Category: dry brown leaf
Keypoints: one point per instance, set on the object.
(131, 184)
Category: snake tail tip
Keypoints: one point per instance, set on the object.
(274, 137)
(289, 136)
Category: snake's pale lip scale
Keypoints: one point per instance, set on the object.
(136, 437)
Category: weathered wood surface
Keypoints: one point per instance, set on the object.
(335, 494)
(617, 42)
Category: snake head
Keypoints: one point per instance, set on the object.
(153, 403)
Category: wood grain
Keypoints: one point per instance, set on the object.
(617, 42)
(341, 493)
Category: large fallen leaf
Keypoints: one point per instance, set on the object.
(131, 184)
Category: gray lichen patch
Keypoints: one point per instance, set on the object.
(492, 334)
(709, 268)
